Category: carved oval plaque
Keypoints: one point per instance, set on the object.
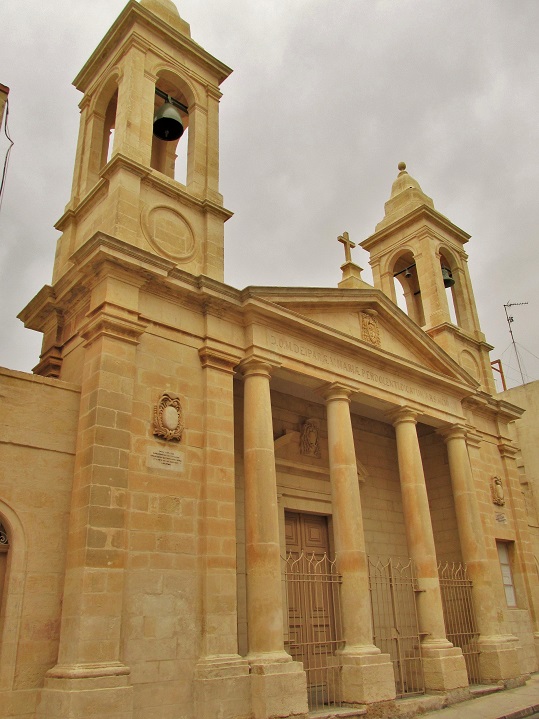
(168, 232)
(171, 417)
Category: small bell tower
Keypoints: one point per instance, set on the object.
(123, 183)
(419, 248)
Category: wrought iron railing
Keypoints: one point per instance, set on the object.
(394, 618)
(314, 624)
(459, 615)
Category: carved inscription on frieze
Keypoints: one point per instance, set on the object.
(311, 354)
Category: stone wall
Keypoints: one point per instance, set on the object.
(38, 429)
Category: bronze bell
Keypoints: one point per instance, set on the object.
(167, 122)
(448, 277)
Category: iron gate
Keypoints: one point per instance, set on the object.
(314, 624)
(459, 615)
(394, 618)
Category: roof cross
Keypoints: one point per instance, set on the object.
(348, 246)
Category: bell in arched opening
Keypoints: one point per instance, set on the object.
(167, 122)
(447, 277)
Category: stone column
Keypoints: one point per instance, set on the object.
(498, 658)
(222, 685)
(367, 675)
(278, 684)
(443, 664)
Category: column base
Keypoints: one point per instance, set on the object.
(222, 688)
(498, 658)
(444, 668)
(92, 691)
(536, 645)
(366, 678)
(278, 687)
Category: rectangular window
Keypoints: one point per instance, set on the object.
(507, 575)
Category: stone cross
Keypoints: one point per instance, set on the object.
(348, 246)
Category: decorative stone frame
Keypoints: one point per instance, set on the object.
(496, 488)
(168, 417)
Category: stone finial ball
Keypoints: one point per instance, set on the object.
(402, 166)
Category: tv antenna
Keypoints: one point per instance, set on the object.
(510, 320)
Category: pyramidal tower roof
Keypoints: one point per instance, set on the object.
(406, 195)
(167, 11)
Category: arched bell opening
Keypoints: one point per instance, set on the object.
(108, 130)
(407, 288)
(447, 265)
(99, 121)
(170, 156)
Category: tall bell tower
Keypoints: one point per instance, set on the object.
(419, 248)
(123, 183)
(125, 196)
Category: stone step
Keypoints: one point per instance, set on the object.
(483, 690)
(415, 705)
(338, 713)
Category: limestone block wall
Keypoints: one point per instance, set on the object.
(492, 456)
(381, 501)
(38, 430)
(162, 620)
(524, 432)
(518, 622)
(440, 493)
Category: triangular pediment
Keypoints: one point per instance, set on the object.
(369, 318)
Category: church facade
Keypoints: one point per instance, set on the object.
(247, 504)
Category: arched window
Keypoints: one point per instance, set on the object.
(407, 287)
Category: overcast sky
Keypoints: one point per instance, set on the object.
(325, 99)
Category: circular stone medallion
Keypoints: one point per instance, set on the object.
(168, 232)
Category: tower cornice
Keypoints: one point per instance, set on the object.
(423, 213)
(132, 13)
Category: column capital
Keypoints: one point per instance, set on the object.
(402, 414)
(507, 450)
(256, 366)
(453, 431)
(217, 359)
(473, 438)
(335, 391)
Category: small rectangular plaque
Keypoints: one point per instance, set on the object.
(168, 459)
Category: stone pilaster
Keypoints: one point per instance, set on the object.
(278, 684)
(90, 678)
(444, 666)
(222, 687)
(498, 658)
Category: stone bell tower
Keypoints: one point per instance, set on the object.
(123, 183)
(418, 247)
(125, 195)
